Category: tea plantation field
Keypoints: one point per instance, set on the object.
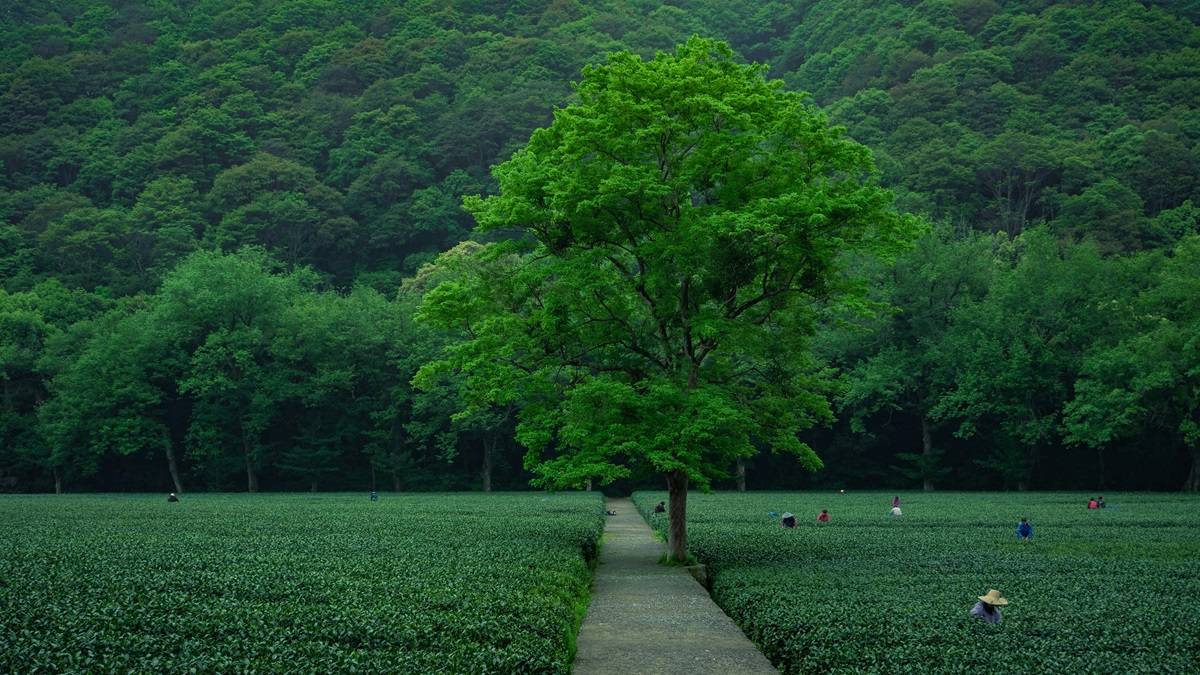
(308, 583)
(1112, 591)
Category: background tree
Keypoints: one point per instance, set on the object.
(1150, 377)
(899, 364)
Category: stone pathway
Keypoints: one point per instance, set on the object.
(650, 618)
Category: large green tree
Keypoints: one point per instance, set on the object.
(679, 223)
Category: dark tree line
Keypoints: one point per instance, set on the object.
(214, 216)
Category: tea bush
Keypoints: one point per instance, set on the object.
(1108, 591)
(322, 583)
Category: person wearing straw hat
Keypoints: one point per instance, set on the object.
(987, 609)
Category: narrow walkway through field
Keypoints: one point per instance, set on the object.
(650, 618)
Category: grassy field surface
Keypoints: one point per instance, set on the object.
(1112, 591)
(314, 583)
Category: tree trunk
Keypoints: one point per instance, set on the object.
(1100, 462)
(1192, 483)
(372, 478)
(312, 485)
(485, 472)
(927, 450)
(251, 476)
(173, 467)
(395, 481)
(587, 485)
(58, 479)
(741, 474)
(1022, 485)
(677, 487)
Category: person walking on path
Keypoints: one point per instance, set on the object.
(987, 609)
(1024, 530)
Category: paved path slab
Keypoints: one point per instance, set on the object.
(650, 618)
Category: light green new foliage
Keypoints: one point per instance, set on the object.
(682, 219)
(270, 583)
(1104, 591)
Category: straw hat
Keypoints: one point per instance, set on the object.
(993, 598)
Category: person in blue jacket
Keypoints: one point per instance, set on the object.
(1024, 530)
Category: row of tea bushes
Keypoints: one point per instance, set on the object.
(324, 583)
(1095, 591)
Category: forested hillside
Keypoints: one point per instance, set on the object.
(214, 216)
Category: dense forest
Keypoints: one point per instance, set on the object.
(219, 219)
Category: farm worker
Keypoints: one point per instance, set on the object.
(1100, 501)
(172, 498)
(823, 517)
(1024, 530)
(1093, 504)
(374, 495)
(788, 521)
(987, 609)
(660, 507)
(896, 502)
(896, 512)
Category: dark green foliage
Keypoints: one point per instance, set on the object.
(342, 136)
(450, 583)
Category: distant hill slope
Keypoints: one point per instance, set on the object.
(343, 134)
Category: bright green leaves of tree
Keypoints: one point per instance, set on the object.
(682, 220)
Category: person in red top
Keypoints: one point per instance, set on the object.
(823, 517)
(1093, 504)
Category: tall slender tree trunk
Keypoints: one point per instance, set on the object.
(312, 484)
(741, 474)
(251, 476)
(587, 485)
(372, 478)
(395, 481)
(485, 472)
(1100, 463)
(927, 449)
(677, 489)
(173, 467)
(1192, 483)
(58, 479)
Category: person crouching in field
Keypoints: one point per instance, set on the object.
(1024, 530)
(788, 521)
(896, 512)
(823, 516)
(987, 609)
(660, 507)
(172, 498)
(1093, 504)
